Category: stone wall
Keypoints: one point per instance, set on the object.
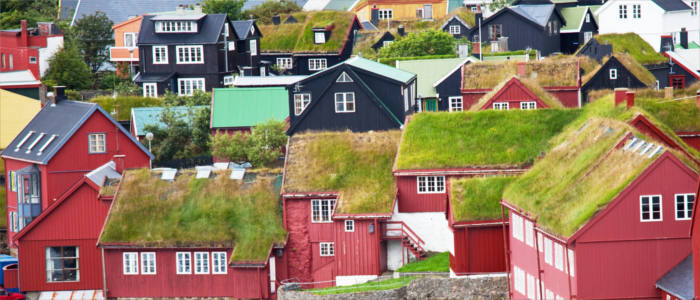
(421, 288)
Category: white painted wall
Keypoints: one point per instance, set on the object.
(432, 227)
(394, 257)
(53, 44)
(350, 280)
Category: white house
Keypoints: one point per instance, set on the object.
(650, 19)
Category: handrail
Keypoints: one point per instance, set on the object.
(404, 229)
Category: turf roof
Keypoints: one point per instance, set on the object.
(681, 116)
(356, 165)
(553, 71)
(463, 13)
(189, 212)
(477, 198)
(299, 37)
(546, 97)
(488, 138)
(637, 69)
(632, 44)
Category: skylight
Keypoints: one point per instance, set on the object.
(203, 171)
(168, 174)
(237, 173)
(658, 150)
(645, 149)
(41, 135)
(24, 140)
(41, 150)
(640, 145)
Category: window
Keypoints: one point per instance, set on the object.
(150, 90)
(344, 77)
(96, 141)
(345, 102)
(454, 29)
(431, 184)
(189, 54)
(539, 242)
(201, 262)
(228, 80)
(650, 208)
(527, 105)
(517, 225)
(349, 225)
(148, 262)
(284, 63)
(677, 81)
(693, 8)
(456, 104)
(160, 54)
(385, 14)
(529, 238)
(319, 37)
(387, 43)
(3, 60)
(321, 210)
(13, 222)
(130, 263)
(11, 62)
(231, 45)
(549, 294)
(636, 11)
(301, 101)
(500, 106)
(519, 280)
(548, 251)
(531, 287)
(684, 206)
(218, 262)
(559, 256)
(588, 17)
(62, 264)
(622, 11)
(587, 36)
(571, 262)
(327, 249)
(253, 47)
(32, 59)
(176, 26)
(184, 262)
(316, 64)
(495, 31)
(186, 86)
(130, 39)
(613, 73)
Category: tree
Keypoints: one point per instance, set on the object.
(92, 34)
(232, 8)
(261, 147)
(12, 12)
(233, 147)
(430, 42)
(67, 68)
(266, 10)
(495, 5)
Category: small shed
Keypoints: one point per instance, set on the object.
(239, 109)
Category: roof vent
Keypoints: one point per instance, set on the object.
(203, 171)
(41, 135)
(237, 173)
(41, 150)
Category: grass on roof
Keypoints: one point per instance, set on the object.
(218, 212)
(546, 97)
(552, 71)
(299, 37)
(389, 284)
(633, 45)
(123, 104)
(463, 13)
(477, 198)
(681, 116)
(439, 262)
(356, 165)
(488, 138)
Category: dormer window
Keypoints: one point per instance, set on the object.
(176, 26)
(319, 37)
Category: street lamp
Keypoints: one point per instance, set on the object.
(131, 62)
(149, 137)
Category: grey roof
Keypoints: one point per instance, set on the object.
(242, 28)
(208, 32)
(250, 81)
(538, 13)
(67, 9)
(191, 16)
(121, 10)
(153, 77)
(367, 25)
(671, 5)
(679, 281)
(108, 170)
(51, 128)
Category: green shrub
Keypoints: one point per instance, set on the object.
(122, 105)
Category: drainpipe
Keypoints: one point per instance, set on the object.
(505, 246)
(104, 278)
(568, 271)
(537, 252)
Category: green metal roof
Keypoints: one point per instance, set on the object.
(453, 4)
(574, 15)
(381, 69)
(691, 45)
(143, 116)
(245, 107)
(339, 5)
(429, 71)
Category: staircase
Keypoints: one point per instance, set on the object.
(398, 230)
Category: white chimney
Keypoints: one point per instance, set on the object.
(198, 8)
(180, 9)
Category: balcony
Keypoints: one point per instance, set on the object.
(127, 54)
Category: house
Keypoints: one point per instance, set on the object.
(211, 237)
(439, 82)
(15, 112)
(403, 10)
(357, 94)
(580, 229)
(649, 19)
(141, 117)
(304, 43)
(521, 27)
(338, 232)
(29, 48)
(684, 63)
(459, 22)
(22, 83)
(125, 53)
(547, 83)
(266, 81)
(239, 109)
(116, 11)
(580, 27)
(682, 117)
(40, 162)
(617, 71)
(386, 39)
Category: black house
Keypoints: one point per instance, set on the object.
(526, 26)
(580, 27)
(595, 50)
(358, 94)
(386, 39)
(455, 26)
(190, 50)
(617, 71)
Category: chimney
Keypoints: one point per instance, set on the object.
(276, 20)
(668, 92)
(180, 9)
(478, 17)
(620, 95)
(59, 94)
(198, 8)
(24, 35)
(374, 16)
(522, 66)
(630, 99)
(666, 43)
(44, 28)
(401, 30)
(119, 161)
(684, 38)
(476, 48)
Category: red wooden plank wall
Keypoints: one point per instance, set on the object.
(411, 201)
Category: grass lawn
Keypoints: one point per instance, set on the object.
(388, 284)
(437, 263)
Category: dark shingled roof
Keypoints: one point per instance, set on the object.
(121, 10)
(208, 32)
(671, 5)
(242, 28)
(679, 281)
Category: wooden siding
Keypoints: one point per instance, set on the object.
(570, 42)
(411, 201)
(693, 141)
(601, 80)
(478, 250)
(567, 95)
(358, 252)
(32, 262)
(450, 87)
(521, 34)
(403, 11)
(463, 30)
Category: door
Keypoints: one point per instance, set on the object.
(429, 105)
(428, 12)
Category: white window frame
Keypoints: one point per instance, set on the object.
(228, 80)
(517, 226)
(317, 64)
(456, 103)
(319, 37)
(547, 250)
(219, 264)
(100, 143)
(284, 63)
(133, 39)
(150, 89)
(613, 73)
(385, 14)
(168, 26)
(130, 263)
(164, 55)
(32, 60)
(186, 55)
(687, 206)
(201, 263)
(529, 230)
(430, 184)
(501, 106)
(528, 105)
(344, 78)
(531, 287)
(571, 261)
(345, 102)
(180, 266)
(253, 47)
(301, 102)
(189, 90)
(588, 17)
(146, 258)
(693, 7)
(349, 225)
(587, 36)
(387, 43)
(519, 280)
(540, 247)
(454, 29)
(559, 256)
(651, 211)
(324, 215)
(327, 248)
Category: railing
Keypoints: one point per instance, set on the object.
(402, 231)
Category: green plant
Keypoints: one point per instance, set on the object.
(122, 105)
(73, 95)
(436, 263)
(381, 285)
(232, 8)
(92, 34)
(261, 147)
(233, 147)
(68, 69)
(263, 12)
(127, 88)
(429, 42)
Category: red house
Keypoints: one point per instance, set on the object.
(603, 215)
(64, 141)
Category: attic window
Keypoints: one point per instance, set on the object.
(97, 143)
(176, 26)
(588, 18)
(613, 74)
(650, 208)
(344, 77)
(319, 37)
(454, 29)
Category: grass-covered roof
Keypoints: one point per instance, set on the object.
(488, 138)
(465, 14)
(550, 100)
(581, 174)
(190, 212)
(299, 37)
(553, 71)
(356, 165)
(632, 44)
(477, 198)
(681, 116)
(637, 69)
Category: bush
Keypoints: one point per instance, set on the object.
(261, 147)
(67, 68)
(73, 95)
(429, 42)
(124, 104)
(266, 10)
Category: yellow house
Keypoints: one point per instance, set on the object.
(15, 113)
(401, 9)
